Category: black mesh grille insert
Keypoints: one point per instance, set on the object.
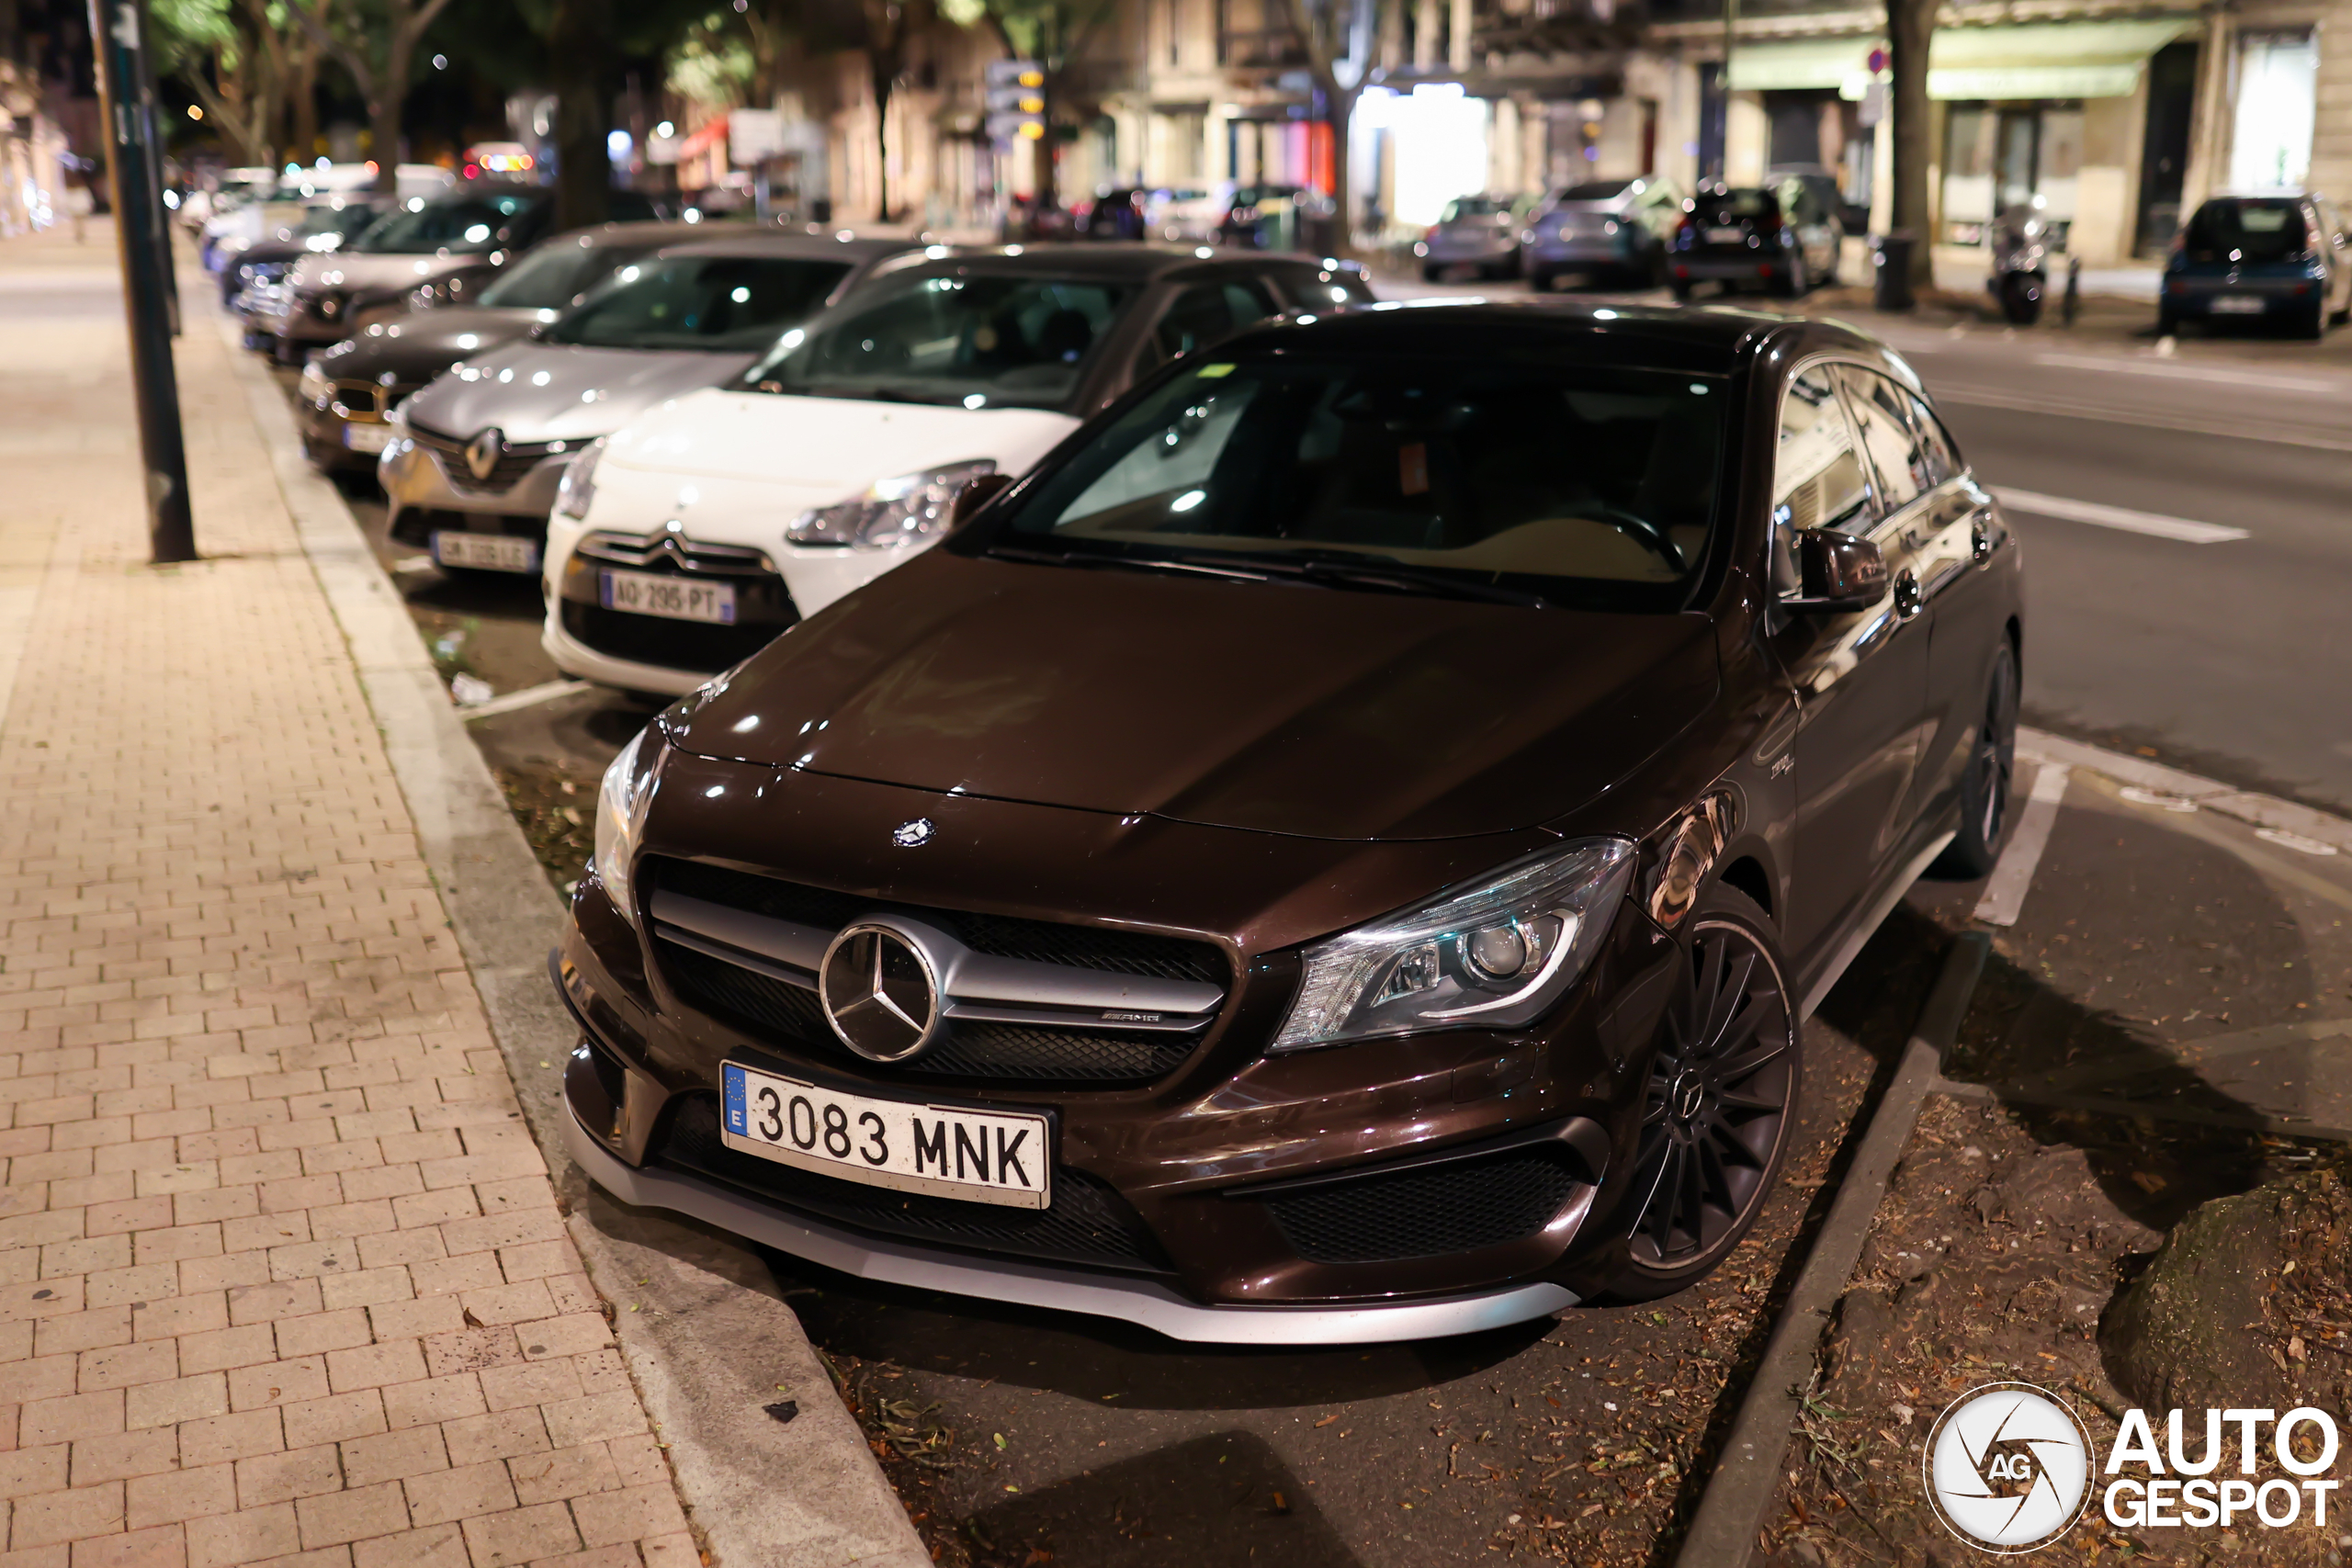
(995, 1051)
(1040, 942)
(1088, 1222)
(671, 645)
(1427, 1213)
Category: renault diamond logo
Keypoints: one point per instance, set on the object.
(481, 452)
(880, 992)
(908, 835)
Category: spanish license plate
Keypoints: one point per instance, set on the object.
(2237, 304)
(366, 437)
(986, 1157)
(648, 593)
(1726, 236)
(486, 552)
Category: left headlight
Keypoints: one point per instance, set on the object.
(621, 805)
(892, 515)
(314, 384)
(577, 487)
(1497, 955)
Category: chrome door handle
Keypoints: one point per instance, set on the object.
(1908, 599)
(1980, 534)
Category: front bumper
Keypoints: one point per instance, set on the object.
(1596, 249)
(2276, 297)
(590, 640)
(1703, 268)
(1236, 1190)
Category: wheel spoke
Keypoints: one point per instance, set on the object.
(1753, 1061)
(1726, 1001)
(1736, 1032)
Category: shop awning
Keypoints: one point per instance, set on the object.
(2032, 60)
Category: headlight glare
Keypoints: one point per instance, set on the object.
(621, 805)
(577, 489)
(1498, 955)
(313, 383)
(893, 513)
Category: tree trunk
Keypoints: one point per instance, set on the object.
(580, 45)
(384, 120)
(302, 103)
(1045, 177)
(1910, 23)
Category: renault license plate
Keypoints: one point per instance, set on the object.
(677, 599)
(366, 437)
(987, 1156)
(2237, 304)
(485, 552)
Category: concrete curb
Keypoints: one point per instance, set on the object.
(2210, 794)
(1723, 1533)
(706, 1333)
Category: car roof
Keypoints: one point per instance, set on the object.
(649, 232)
(1122, 263)
(1703, 340)
(762, 242)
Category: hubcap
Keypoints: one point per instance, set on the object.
(1720, 1094)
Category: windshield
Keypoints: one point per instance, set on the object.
(2246, 230)
(468, 225)
(1594, 190)
(347, 220)
(1471, 207)
(988, 338)
(1589, 486)
(716, 303)
(552, 276)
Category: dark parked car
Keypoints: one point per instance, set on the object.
(349, 390)
(1780, 239)
(2281, 257)
(1116, 214)
(325, 226)
(1340, 851)
(437, 252)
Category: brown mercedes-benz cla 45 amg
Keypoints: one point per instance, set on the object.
(1341, 851)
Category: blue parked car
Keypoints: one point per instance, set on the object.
(2279, 256)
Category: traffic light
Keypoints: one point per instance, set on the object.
(1016, 100)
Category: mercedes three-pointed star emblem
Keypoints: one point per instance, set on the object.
(880, 992)
(908, 835)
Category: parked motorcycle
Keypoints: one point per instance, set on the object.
(2019, 244)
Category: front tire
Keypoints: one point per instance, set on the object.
(1984, 787)
(1793, 284)
(1722, 1102)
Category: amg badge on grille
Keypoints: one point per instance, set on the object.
(908, 835)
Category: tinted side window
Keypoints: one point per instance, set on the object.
(1210, 312)
(1882, 416)
(1817, 481)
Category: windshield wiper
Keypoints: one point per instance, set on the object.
(1353, 569)
(1248, 572)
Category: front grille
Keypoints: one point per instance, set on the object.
(1427, 1213)
(1001, 936)
(663, 550)
(1020, 1052)
(1087, 1221)
(513, 462)
(695, 646)
(369, 401)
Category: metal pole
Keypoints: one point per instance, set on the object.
(115, 32)
(151, 105)
(1731, 27)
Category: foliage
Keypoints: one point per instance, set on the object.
(713, 63)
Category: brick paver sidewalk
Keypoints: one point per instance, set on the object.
(281, 1274)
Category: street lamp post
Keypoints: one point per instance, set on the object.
(134, 179)
(1723, 145)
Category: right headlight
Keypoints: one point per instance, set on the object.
(892, 515)
(621, 805)
(578, 487)
(1498, 955)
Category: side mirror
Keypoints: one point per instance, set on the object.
(975, 495)
(1839, 571)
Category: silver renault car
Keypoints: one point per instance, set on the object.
(475, 457)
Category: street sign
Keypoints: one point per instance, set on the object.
(753, 136)
(1016, 100)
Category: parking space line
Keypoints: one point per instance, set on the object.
(2153, 524)
(529, 697)
(2192, 372)
(2006, 889)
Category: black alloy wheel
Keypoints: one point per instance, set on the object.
(1984, 787)
(1721, 1101)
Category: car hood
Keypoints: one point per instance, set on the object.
(830, 445)
(423, 343)
(1284, 709)
(540, 392)
(358, 273)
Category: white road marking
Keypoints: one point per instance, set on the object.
(2293, 840)
(2176, 371)
(529, 697)
(2158, 799)
(2153, 524)
(2006, 889)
